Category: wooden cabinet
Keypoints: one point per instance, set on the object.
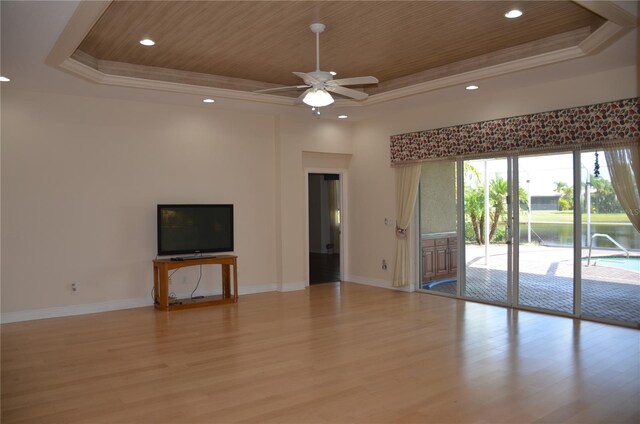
(428, 260)
(453, 257)
(439, 256)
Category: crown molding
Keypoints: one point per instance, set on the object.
(523, 51)
(83, 19)
(611, 12)
(89, 73)
(479, 74)
(603, 37)
(64, 56)
(171, 75)
(619, 22)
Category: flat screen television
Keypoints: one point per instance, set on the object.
(194, 229)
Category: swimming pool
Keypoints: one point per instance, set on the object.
(632, 263)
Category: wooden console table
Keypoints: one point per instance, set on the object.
(161, 268)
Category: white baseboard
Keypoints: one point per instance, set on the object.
(260, 288)
(66, 311)
(112, 305)
(377, 283)
(297, 285)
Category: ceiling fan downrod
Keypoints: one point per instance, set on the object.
(317, 28)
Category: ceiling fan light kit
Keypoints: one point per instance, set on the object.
(317, 98)
(319, 83)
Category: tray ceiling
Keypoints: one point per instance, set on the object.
(245, 45)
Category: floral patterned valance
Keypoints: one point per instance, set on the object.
(619, 120)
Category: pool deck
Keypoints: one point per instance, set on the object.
(546, 281)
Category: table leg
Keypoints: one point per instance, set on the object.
(164, 288)
(156, 286)
(226, 282)
(235, 280)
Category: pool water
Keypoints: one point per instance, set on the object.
(632, 263)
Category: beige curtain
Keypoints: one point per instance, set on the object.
(624, 167)
(407, 179)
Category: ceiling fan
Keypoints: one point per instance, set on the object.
(319, 83)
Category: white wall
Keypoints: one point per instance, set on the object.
(303, 142)
(372, 190)
(371, 200)
(81, 178)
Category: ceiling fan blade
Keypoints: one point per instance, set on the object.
(300, 97)
(308, 79)
(290, 87)
(348, 92)
(354, 81)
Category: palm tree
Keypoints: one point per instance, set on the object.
(474, 204)
(474, 207)
(498, 194)
(498, 198)
(565, 202)
(474, 201)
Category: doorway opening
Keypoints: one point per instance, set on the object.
(324, 228)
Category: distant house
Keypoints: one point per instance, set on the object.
(545, 203)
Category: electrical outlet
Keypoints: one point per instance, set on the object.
(384, 264)
(74, 287)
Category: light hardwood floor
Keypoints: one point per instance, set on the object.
(334, 353)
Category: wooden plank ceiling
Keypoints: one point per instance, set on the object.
(264, 41)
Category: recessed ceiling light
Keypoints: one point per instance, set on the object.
(208, 101)
(343, 116)
(513, 13)
(147, 42)
(334, 73)
(471, 87)
(4, 79)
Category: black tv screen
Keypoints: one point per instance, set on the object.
(184, 229)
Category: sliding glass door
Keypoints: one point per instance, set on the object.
(487, 251)
(438, 228)
(541, 232)
(546, 215)
(610, 246)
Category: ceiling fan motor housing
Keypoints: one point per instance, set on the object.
(321, 76)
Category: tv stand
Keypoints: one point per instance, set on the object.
(161, 268)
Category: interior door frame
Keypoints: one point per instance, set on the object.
(342, 179)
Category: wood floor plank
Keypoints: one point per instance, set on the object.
(331, 353)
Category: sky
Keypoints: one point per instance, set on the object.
(543, 171)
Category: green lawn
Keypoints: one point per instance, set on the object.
(567, 216)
